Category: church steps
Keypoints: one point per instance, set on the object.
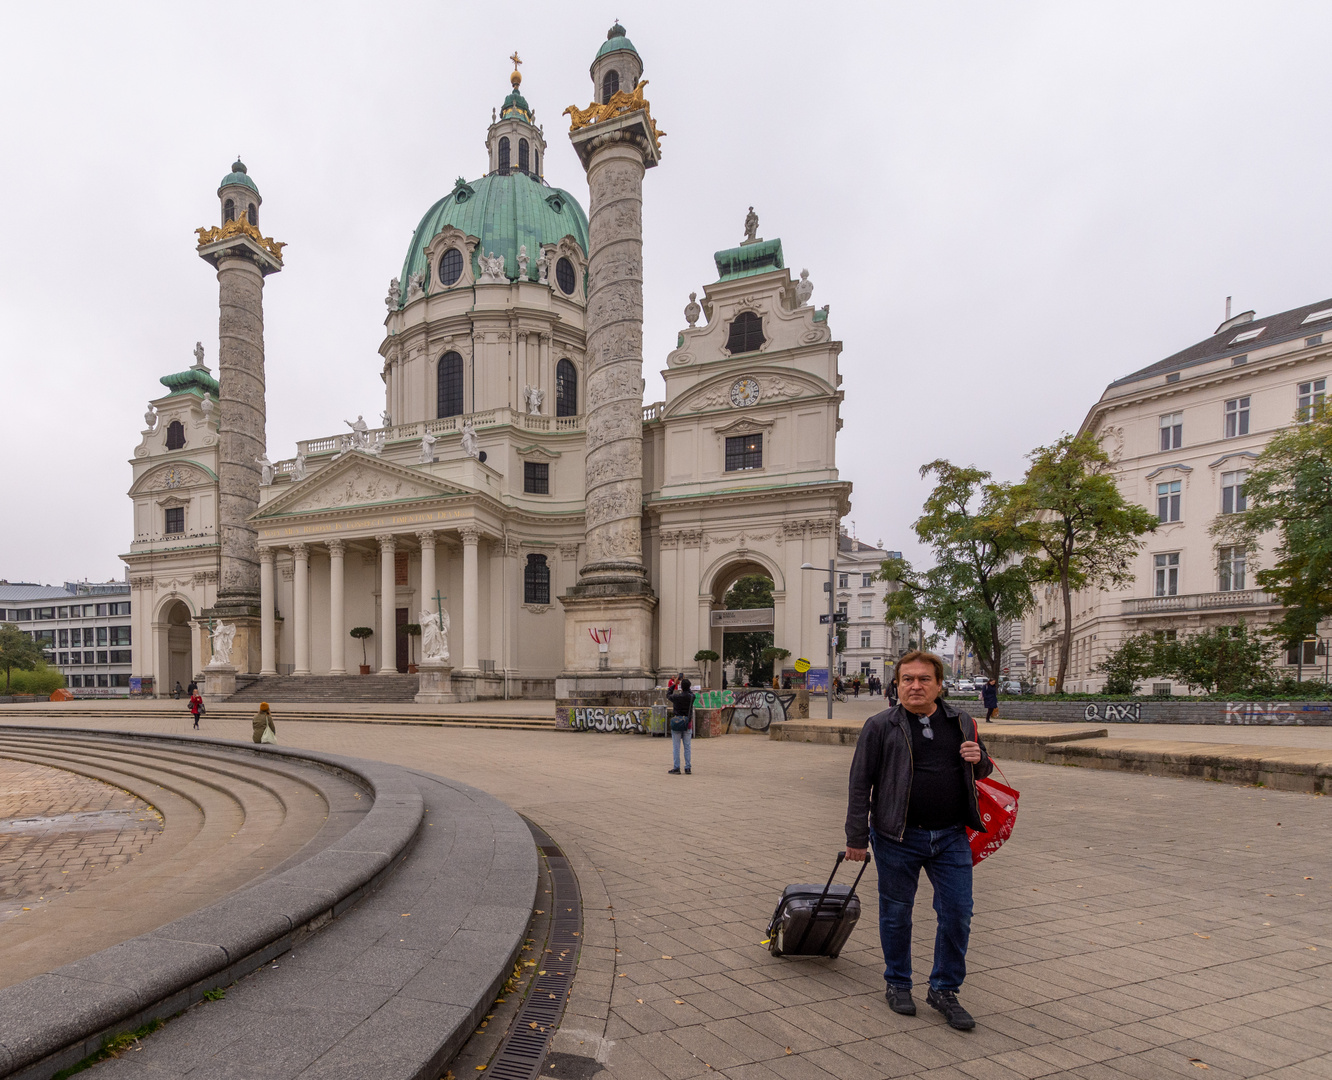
(349, 689)
(289, 712)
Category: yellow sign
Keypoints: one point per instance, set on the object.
(802, 665)
(1053, 680)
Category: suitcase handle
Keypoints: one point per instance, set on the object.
(824, 895)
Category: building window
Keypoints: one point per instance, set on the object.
(536, 162)
(564, 276)
(566, 389)
(1163, 636)
(1310, 403)
(1167, 574)
(610, 84)
(1167, 501)
(64, 639)
(175, 520)
(866, 580)
(1305, 652)
(120, 635)
(450, 394)
(1231, 563)
(536, 478)
(504, 156)
(101, 659)
(1172, 431)
(450, 267)
(841, 607)
(120, 680)
(122, 608)
(522, 155)
(1237, 417)
(254, 215)
(1310, 342)
(101, 635)
(867, 609)
(536, 580)
(744, 452)
(64, 658)
(1233, 499)
(746, 333)
(228, 211)
(175, 435)
(843, 581)
(864, 639)
(120, 656)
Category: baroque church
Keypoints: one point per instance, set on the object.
(574, 540)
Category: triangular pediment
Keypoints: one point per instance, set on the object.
(356, 481)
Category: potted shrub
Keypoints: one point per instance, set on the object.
(705, 657)
(361, 633)
(412, 630)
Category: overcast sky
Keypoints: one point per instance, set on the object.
(1007, 205)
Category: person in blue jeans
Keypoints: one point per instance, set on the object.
(912, 798)
(682, 724)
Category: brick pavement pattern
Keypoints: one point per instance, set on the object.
(60, 831)
(1132, 927)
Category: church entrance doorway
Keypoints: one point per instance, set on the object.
(742, 622)
(176, 659)
(400, 620)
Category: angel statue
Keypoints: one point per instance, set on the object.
(538, 398)
(435, 637)
(470, 446)
(223, 636)
(394, 297)
(265, 470)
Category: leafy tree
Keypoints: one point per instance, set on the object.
(1083, 530)
(978, 581)
(1289, 492)
(746, 649)
(705, 657)
(360, 633)
(1135, 659)
(1222, 660)
(17, 650)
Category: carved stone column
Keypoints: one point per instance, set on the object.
(388, 654)
(267, 624)
(300, 602)
(337, 618)
(471, 634)
(428, 587)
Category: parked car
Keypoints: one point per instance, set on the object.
(1011, 686)
(965, 686)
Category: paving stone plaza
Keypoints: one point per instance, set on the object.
(1133, 926)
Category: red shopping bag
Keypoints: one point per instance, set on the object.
(998, 805)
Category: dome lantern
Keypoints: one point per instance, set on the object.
(617, 66)
(514, 143)
(238, 195)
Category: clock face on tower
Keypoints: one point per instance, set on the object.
(745, 392)
(173, 478)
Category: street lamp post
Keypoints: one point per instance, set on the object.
(832, 625)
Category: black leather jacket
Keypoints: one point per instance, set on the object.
(881, 774)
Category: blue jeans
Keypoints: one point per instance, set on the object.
(946, 856)
(677, 737)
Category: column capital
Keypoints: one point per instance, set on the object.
(337, 548)
(387, 541)
(300, 550)
(470, 534)
(427, 538)
(265, 556)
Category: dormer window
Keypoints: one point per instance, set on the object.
(610, 83)
(450, 267)
(175, 435)
(228, 211)
(746, 333)
(504, 156)
(522, 155)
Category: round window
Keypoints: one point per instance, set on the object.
(450, 267)
(564, 274)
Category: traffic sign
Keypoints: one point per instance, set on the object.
(836, 616)
(802, 665)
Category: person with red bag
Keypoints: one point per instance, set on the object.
(913, 797)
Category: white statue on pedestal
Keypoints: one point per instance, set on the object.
(150, 418)
(394, 295)
(207, 405)
(533, 399)
(427, 449)
(692, 310)
(543, 268)
(804, 289)
(492, 269)
(522, 262)
(377, 447)
(265, 470)
(387, 418)
(470, 446)
(223, 636)
(298, 469)
(360, 430)
(415, 285)
(434, 637)
(198, 356)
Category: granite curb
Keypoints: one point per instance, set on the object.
(53, 1020)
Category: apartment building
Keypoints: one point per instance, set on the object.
(84, 629)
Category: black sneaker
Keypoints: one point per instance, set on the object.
(672, 772)
(899, 1000)
(946, 1002)
(688, 770)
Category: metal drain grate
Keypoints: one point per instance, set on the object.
(523, 1051)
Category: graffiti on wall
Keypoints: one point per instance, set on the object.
(1236, 712)
(756, 710)
(1128, 713)
(620, 721)
(714, 699)
(1260, 712)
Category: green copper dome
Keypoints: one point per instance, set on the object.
(238, 175)
(505, 212)
(195, 380)
(515, 107)
(615, 42)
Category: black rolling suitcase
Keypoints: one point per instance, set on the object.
(814, 921)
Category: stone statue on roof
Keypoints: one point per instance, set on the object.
(394, 297)
(150, 418)
(199, 355)
(470, 446)
(298, 469)
(265, 470)
(427, 449)
(492, 269)
(360, 430)
(522, 262)
(751, 226)
(804, 289)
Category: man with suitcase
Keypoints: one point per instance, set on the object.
(912, 798)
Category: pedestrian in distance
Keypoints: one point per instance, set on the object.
(191, 687)
(890, 691)
(682, 725)
(990, 699)
(912, 798)
(196, 706)
(263, 725)
(177, 691)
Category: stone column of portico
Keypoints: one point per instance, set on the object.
(471, 634)
(428, 587)
(388, 655)
(267, 623)
(337, 656)
(300, 601)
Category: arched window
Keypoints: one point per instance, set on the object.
(450, 385)
(610, 83)
(175, 435)
(566, 389)
(504, 156)
(522, 155)
(228, 211)
(536, 580)
(564, 274)
(254, 215)
(536, 162)
(450, 267)
(746, 333)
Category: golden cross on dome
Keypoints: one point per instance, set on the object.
(516, 61)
